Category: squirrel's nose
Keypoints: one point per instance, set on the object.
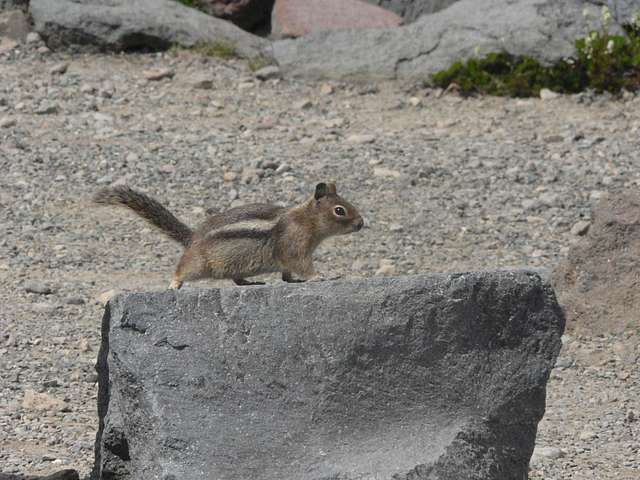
(358, 225)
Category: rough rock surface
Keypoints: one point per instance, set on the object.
(143, 24)
(410, 10)
(296, 18)
(436, 377)
(434, 42)
(598, 282)
(247, 14)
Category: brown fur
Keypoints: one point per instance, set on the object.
(148, 208)
(249, 240)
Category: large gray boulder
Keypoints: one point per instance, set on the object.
(131, 25)
(543, 29)
(427, 377)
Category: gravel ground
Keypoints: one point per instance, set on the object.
(447, 184)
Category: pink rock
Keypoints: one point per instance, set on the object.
(295, 18)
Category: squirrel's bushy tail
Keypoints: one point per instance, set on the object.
(148, 208)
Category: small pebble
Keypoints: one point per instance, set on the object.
(386, 172)
(361, 139)
(580, 228)
(546, 94)
(104, 297)
(59, 68)
(326, 89)
(33, 286)
(268, 72)
(33, 37)
(158, 74)
(7, 122)
(303, 105)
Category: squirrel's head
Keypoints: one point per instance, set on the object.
(336, 215)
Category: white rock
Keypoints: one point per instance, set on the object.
(84, 345)
(59, 68)
(361, 139)
(542, 453)
(386, 172)
(334, 123)
(229, 176)
(158, 74)
(387, 267)
(87, 89)
(7, 122)
(586, 435)
(580, 228)
(245, 85)
(7, 44)
(268, 72)
(33, 37)
(326, 89)
(42, 402)
(546, 94)
(104, 297)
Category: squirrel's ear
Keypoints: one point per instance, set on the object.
(332, 188)
(321, 190)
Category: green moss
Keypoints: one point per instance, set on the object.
(189, 3)
(260, 61)
(216, 49)
(603, 62)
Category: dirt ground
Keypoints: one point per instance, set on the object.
(446, 183)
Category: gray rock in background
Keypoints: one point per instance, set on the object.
(543, 29)
(60, 475)
(623, 11)
(410, 10)
(126, 25)
(14, 4)
(246, 14)
(439, 377)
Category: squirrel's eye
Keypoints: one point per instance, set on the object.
(340, 211)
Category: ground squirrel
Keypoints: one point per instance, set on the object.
(248, 240)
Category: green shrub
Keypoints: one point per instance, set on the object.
(216, 49)
(602, 62)
(189, 3)
(260, 61)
